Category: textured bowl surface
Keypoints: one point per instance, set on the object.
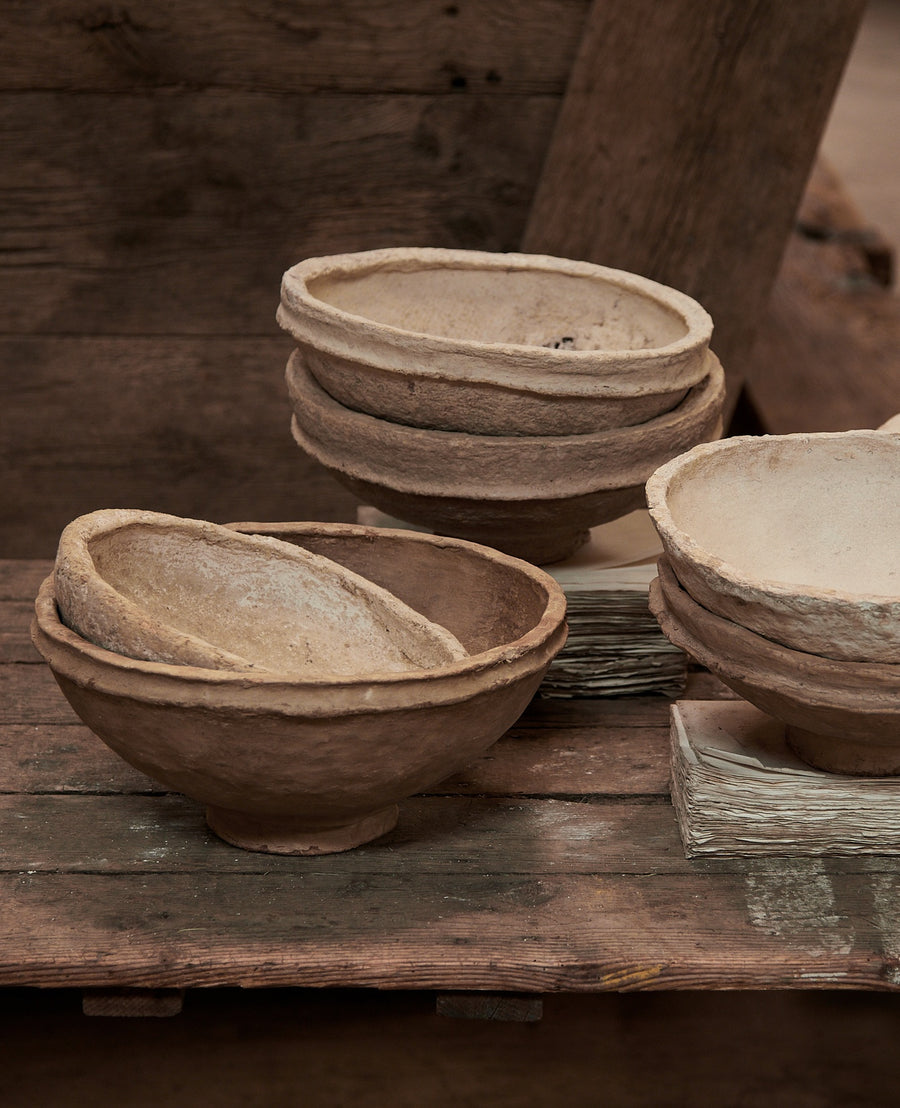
(841, 716)
(167, 589)
(493, 343)
(312, 766)
(530, 496)
(795, 537)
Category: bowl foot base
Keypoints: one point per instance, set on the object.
(284, 835)
(842, 755)
(541, 549)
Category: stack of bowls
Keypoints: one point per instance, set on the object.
(298, 759)
(512, 399)
(781, 575)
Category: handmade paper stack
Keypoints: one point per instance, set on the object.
(738, 789)
(615, 646)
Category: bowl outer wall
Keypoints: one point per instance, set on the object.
(496, 468)
(188, 728)
(327, 769)
(844, 628)
(480, 407)
(803, 690)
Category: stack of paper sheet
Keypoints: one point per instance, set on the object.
(615, 646)
(738, 789)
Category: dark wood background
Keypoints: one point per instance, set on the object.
(164, 162)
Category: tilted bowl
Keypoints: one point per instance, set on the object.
(190, 592)
(314, 766)
(531, 496)
(795, 537)
(464, 340)
(839, 716)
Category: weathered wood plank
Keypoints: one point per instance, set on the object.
(307, 45)
(64, 758)
(178, 211)
(684, 142)
(195, 427)
(20, 579)
(29, 695)
(153, 834)
(15, 641)
(613, 761)
(778, 926)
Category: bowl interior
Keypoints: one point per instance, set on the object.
(485, 603)
(530, 307)
(814, 511)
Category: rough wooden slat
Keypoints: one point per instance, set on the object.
(147, 834)
(29, 695)
(64, 758)
(177, 212)
(20, 579)
(776, 926)
(603, 759)
(15, 643)
(307, 45)
(68, 758)
(194, 427)
(683, 145)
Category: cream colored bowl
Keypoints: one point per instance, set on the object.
(796, 537)
(506, 344)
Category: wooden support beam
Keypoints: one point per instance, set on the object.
(683, 144)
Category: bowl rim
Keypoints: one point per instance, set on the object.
(682, 548)
(701, 403)
(300, 308)
(48, 623)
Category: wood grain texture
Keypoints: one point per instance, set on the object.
(356, 46)
(197, 428)
(176, 212)
(553, 864)
(773, 927)
(684, 142)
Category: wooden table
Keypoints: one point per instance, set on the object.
(553, 864)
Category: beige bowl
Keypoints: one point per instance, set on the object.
(314, 766)
(840, 716)
(534, 497)
(506, 344)
(167, 589)
(795, 537)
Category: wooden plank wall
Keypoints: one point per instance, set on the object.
(166, 160)
(724, 113)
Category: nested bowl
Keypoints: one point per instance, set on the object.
(187, 591)
(839, 716)
(795, 537)
(535, 497)
(314, 766)
(506, 344)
